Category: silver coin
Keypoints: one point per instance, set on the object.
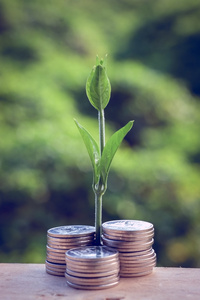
(127, 233)
(122, 244)
(136, 272)
(55, 255)
(129, 238)
(93, 287)
(72, 240)
(58, 271)
(92, 262)
(92, 253)
(92, 280)
(141, 259)
(141, 248)
(71, 230)
(94, 274)
(55, 273)
(136, 269)
(136, 253)
(128, 248)
(55, 269)
(128, 226)
(92, 268)
(124, 274)
(55, 259)
(56, 250)
(138, 264)
(58, 256)
(70, 246)
(54, 265)
(92, 265)
(138, 259)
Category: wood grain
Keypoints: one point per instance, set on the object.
(30, 281)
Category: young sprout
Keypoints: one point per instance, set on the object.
(98, 90)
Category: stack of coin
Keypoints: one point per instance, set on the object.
(92, 268)
(60, 239)
(133, 239)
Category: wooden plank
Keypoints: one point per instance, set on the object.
(30, 281)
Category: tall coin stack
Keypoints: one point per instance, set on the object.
(133, 239)
(92, 268)
(60, 239)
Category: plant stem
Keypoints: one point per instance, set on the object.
(101, 120)
(98, 217)
(100, 189)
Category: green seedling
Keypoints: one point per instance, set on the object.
(98, 90)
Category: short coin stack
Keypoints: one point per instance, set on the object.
(92, 268)
(133, 239)
(60, 239)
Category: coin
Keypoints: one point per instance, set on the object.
(126, 244)
(94, 274)
(126, 250)
(56, 255)
(92, 253)
(55, 250)
(92, 268)
(71, 230)
(138, 264)
(126, 247)
(129, 238)
(136, 270)
(70, 239)
(68, 242)
(92, 280)
(60, 239)
(124, 274)
(55, 259)
(92, 287)
(55, 273)
(136, 254)
(90, 262)
(56, 270)
(133, 239)
(141, 259)
(54, 265)
(128, 226)
(70, 246)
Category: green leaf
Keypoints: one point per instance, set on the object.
(93, 151)
(110, 149)
(98, 87)
(88, 84)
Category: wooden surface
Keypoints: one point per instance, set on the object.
(30, 281)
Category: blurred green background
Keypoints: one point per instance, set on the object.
(47, 49)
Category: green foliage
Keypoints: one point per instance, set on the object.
(93, 151)
(98, 90)
(98, 87)
(45, 177)
(110, 149)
